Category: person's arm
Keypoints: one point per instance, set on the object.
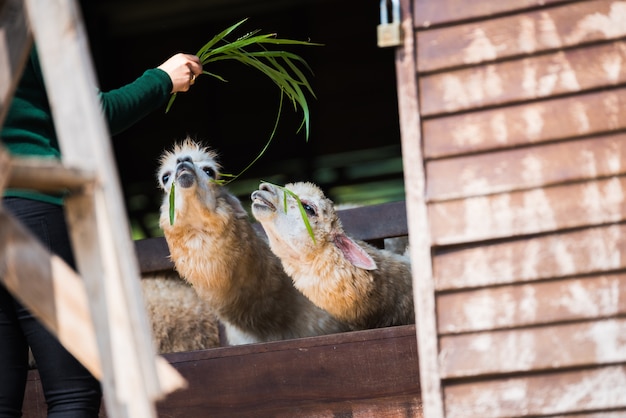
(126, 105)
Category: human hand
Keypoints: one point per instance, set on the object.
(183, 70)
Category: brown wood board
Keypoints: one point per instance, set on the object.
(503, 307)
(435, 12)
(533, 349)
(282, 378)
(547, 120)
(586, 251)
(364, 373)
(520, 34)
(527, 212)
(526, 168)
(562, 72)
(594, 389)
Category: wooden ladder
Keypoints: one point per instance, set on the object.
(99, 317)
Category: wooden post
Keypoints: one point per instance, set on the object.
(15, 39)
(417, 219)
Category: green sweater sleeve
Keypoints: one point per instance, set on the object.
(126, 105)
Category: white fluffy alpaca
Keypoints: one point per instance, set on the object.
(215, 248)
(352, 280)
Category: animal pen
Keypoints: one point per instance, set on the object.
(514, 151)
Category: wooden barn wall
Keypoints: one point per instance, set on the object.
(521, 123)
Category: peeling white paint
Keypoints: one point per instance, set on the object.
(613, 156)
(603, 250)
(538, 213)
(548, 32)
(604, 204)
(611, 25)
(528, 304)
(532, 170)
(578, 301)
(527, 41)
(474, 226)
(454, 93)
(472, 183)
(467, 133)
(480, 48)
(612, 66)
(533, 118)
(609, 338)
(589, 165)
(462, 92)
(565, 261)
(532, 257)
(612, 108)
(578, 113)
(482, 343)
(480, 312)
(499, 128)
(501, 212)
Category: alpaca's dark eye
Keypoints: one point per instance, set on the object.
(209, 172)
(310, 210)
(165, 178)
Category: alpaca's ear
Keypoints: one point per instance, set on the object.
(239, 211)
(354, 253)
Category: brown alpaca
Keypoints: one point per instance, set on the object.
(354, 281)
(215, 248)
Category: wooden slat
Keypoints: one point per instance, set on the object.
(360, 374)
(521, 34)
(525, 168)
(374, 222)
(47, 175)
(434, 12)
(528, 212)
(556, 393)
(365, 373)
(533, 349)
(15, 42)
(586, 251)
(562, 72)
(532, 304)
(554, 119)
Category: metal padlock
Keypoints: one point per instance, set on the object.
(389, 32)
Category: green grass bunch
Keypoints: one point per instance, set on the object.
(283, 68)
(255, 50)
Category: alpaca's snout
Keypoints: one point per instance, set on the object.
(185, 174)
(266, 187)
(262, 198)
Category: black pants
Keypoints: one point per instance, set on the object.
(69, 389)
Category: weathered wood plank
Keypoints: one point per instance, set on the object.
(15, 42)
(528, 212)
(584, 114)
(525, 168)
(434, 12)
(337, 374)
(521, 34)
(533, 349)
(587, 251)
(555, 393)
(562, 72)
(420, 240)
(532, 304)
(47, 175)
(360, 374)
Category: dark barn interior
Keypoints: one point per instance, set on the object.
(354, 147)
